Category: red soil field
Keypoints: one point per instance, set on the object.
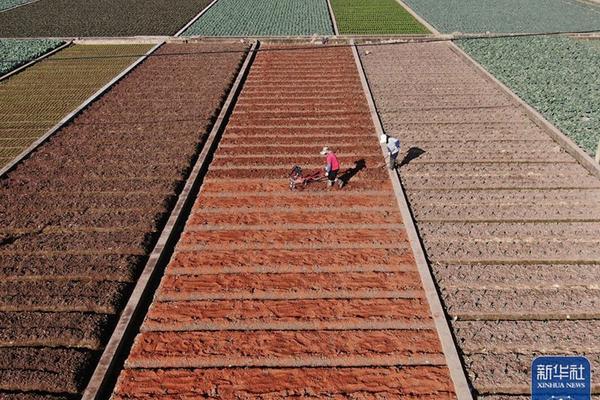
(275, 294)
(79, 217)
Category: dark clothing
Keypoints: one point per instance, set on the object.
(332, 175)
(392, 160)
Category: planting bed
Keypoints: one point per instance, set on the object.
(36, 99)
(264, 18)
(277, 294)
(508, 15)
(79, 217)
(14, 53)
(376, 17)
(559, 76)
(509, 220)
(73, 18)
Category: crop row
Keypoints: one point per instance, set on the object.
(508, 15)
(14, 53)
(36, 99)
(74, 18)
(79, 217)
(556, 75)
(376, 17)
(264, 18)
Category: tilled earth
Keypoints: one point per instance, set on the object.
(79, 217)
(73, 18)
(36, 99)
(509, 220)
(279, 294)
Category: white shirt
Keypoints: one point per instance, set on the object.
(393, 145)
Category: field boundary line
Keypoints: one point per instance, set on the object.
(288, 326)
(27, 152)
(336, 31)
(457, 373)
(102, 381)
(419, 18)
(562, 139)
(34, 61)
(196, 18)
(340, 361)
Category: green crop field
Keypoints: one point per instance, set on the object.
(374, 17)
(6, 4)
(508, 15)
(558, 76)
(264, 18)
(37, 98)
(14, 53)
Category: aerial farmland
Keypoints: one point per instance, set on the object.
(263, 18)
(299, 199)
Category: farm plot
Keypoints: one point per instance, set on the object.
(36, 99)
(558, 76)
(14, 53)
(276, 294)
(508, 15)
(510, 221)
(74, 18)
(375, 17)
(264, 18)
(79, 217)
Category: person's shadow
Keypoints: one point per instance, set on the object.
(348, 174)
(413, 153)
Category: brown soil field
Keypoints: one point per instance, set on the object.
(510, 221)
(36, 99)
(72, 18)
(79, 217)
(276, 294)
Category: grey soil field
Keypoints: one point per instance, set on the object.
(509, 220)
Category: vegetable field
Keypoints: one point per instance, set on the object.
(36, 99)
(375, 17)
(508, 15)
(6, 4)
(558, 76)
(264, 18)
(74, 18)
(14, 53)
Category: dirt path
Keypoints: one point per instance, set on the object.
(510, 221)
(278, 294)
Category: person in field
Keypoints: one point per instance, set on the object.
(393, 147)
(332, 167)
